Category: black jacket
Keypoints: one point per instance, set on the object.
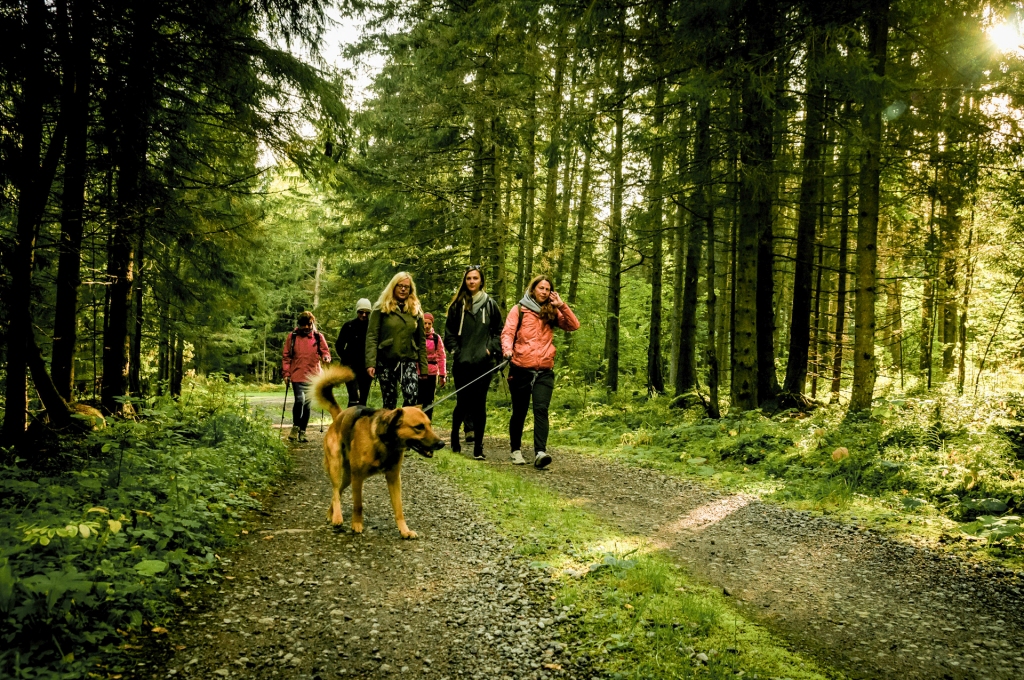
(351, 345)
(481, 333)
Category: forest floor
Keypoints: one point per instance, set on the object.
(301, 600)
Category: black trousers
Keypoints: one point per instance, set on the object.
(526, 384)
(359, 388)
(428, 388)
(471, 403)
(300, 409)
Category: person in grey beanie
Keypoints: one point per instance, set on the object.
(351, 351)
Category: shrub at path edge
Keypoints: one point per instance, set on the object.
(110, 548)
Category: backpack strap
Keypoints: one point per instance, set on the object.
(519, 325)
(317, 335)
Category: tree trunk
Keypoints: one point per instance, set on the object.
(163, 344)
(655, 370)
(132, 127)
(77, 68)
(810, 199)
(686, 367)
(582, 211)
(679, 252)
(864, 368)
(950, 250)
(135, 358)
(477, 208)
(814, 358)
(550, 214)
(754, 236)
(968, 284)
(568, 171)
(33, 187)
(615, 227)
(712, 355)
(177, 363)
(531, 180)
(524, 194)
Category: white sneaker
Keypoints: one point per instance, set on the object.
(541, 460)
(517, 458)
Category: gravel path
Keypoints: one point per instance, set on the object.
(300, 600)
(855, 600)
(303, 601)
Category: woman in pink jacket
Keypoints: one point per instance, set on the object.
(437, 370)
(528, 342)
(304, 350)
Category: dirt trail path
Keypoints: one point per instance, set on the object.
(300, 600)
(857, 601)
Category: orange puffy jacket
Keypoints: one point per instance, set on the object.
(534, 346)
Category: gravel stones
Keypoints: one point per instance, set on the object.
(315, 602)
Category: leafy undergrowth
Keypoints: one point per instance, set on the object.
(635, 613)
(941, 468)
(91, 557)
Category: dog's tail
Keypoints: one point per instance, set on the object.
(321, 389)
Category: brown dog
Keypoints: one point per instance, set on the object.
(362, 442)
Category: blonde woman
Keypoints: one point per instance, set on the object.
(396, 350)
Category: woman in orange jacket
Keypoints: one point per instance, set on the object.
(527, 340)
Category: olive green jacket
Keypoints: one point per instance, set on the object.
(395, 336)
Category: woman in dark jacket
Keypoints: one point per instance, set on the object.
(396, 351)
(472, 336)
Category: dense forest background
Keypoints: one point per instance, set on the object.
(749, 202)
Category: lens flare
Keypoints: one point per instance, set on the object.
(1006, 36)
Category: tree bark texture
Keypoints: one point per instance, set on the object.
(655, 369)
(132, 113)
(552, 157)
(810, 198)
(864, 363)
(756, 156)
(686, 367)
(615, 228)
(77, 68)
(31, 193)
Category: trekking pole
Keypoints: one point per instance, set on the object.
(321, 421)
(283, 406)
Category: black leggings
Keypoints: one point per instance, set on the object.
(525, 383)
(300, 409)
(428, 387)
(471, 403)
(359, 388)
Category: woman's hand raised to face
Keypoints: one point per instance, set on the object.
(555, 299)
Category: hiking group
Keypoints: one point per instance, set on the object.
(394, 342)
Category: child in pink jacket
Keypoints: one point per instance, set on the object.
(528, 342)
(437, 370)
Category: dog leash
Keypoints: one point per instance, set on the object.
(484, 375)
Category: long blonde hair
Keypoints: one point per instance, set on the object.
(387, 302)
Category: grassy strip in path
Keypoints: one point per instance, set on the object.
(637, 615)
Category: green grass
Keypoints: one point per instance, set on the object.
(637, 614)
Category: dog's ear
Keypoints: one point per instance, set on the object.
(389, 424)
